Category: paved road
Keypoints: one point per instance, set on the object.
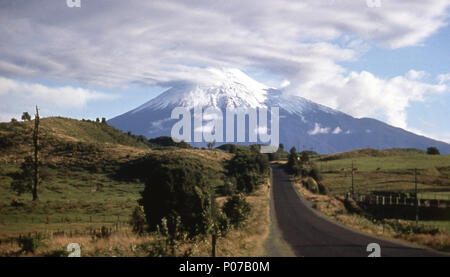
(311, 235)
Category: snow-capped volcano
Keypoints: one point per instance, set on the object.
(228, 88)
(302, 123)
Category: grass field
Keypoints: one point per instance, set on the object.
(245, 242)
(388, 173)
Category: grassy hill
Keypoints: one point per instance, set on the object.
(370, 152)
(92, 176)
(386, 170)
(80, 161)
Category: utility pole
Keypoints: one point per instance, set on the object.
(417, 199)
(36, 156)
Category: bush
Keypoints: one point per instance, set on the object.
(304, 172)
(177, 188)
(249, 168)
(322, 188)
(166, 141)
(31, 243)
(237, 209)
(433, 151)
(229, 186)
(56, 254)
(408, 228)
(315, 174)
(138, 220)
(292, 158)
(311, 184)
(105, 232)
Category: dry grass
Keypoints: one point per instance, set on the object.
(247, 241)
(333, 208)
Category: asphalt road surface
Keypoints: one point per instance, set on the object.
(311, 235)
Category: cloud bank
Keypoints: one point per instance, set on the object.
(111, 43)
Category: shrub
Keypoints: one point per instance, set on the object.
(138, 220)
(105, 232)
(31, 243)
(177, 188)
(322, 188)
(315, 174)
(407, 228)
(304, 172)
(56, 254)
(311, 184)
(292, 158)
(304, 156)
(433, 151)
(249, 168)
(237, 209)
(229, 186)
(167, 141)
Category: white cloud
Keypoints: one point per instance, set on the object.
(443, 78)
(415, 75)
(365, 95)
(111, 43)
(318, 130)
(337, 130)
(17, 96)
(284, 83)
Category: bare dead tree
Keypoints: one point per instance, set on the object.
(36, 156)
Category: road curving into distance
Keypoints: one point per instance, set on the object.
(311, 235)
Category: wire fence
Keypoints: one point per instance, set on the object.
(395, 199)
(62, 219)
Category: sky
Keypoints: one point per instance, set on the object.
(386, 59)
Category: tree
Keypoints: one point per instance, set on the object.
(36, 156)
(211, 144)
(304, 156)
(237, 209)
(433, 151)
(26, 116)
(292, 159)
(29, 178)
(177, 188)
(248, 168)
(217, 224)
(97, 120)
(138, 220)
(103, 120)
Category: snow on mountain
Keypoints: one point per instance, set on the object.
(231, 89)
(302, 123)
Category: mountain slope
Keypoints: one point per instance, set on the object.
(303, 123)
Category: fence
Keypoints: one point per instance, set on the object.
(401, 207)
(19, 219)
(394, 199)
